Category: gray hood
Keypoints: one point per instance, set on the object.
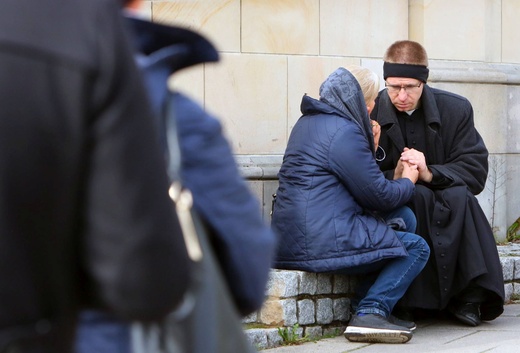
(342, 92)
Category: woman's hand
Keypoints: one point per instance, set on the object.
(410, 171)
(376, 130)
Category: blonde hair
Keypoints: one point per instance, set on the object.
(368, 81)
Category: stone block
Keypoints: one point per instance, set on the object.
(477, 38)
(257, 338)
(278, 312)
(333, 331)
(281, 27)
(313, 332)
(508, 267)
(508, 289)
(324, 284)
(232, 92)
(218, 20)
(343, 34)
(341, 284)
(306, 312)
(273, 338)
(283, 284)
(308, 283)
(510, 32)
(341, 309)
(324, 311)
(516, 290)
(516, 274)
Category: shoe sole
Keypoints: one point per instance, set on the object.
(372, 335)
(467, 320)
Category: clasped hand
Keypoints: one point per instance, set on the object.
(415, 158)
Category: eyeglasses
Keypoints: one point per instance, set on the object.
(395, 89)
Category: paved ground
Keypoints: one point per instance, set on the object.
(498, 336)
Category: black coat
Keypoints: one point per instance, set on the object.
(85, 216)
(448, 214)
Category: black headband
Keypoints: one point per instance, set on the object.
(419, 72)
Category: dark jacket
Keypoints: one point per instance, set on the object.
(243, 241)
(85, 218)
(327, 181)
(448, 215)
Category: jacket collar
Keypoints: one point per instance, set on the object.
(175, 47)
(161, 51)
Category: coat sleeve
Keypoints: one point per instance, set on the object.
(134, 250)
(354, 164)
(244, 243)
(465, 154)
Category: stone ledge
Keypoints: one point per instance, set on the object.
(474, 72)
(319, 303)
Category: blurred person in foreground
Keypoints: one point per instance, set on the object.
(434, 130)
(335, 212)
(85, 218)
(243, 242)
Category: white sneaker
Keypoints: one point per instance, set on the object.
(374, 328)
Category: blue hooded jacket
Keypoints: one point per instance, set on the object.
(244, 243)
(330, 185)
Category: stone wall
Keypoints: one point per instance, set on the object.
(319, 304)
(272, 52)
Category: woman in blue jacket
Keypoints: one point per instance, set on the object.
(333, 205)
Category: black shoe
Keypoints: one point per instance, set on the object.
(404, 323)
(374, 328)
(403, 313)
(468, 313)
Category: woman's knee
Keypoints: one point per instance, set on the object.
(407, 215)
(416, 244)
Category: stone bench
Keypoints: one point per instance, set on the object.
(317, 305)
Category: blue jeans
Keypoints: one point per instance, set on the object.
(100, 332)
(383, 283)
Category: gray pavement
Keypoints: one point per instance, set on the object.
(501, 335)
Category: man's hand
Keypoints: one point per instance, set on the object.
(376, 130)
(410, 171)
(414, 157)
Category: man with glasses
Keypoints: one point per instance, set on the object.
(434, 130)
